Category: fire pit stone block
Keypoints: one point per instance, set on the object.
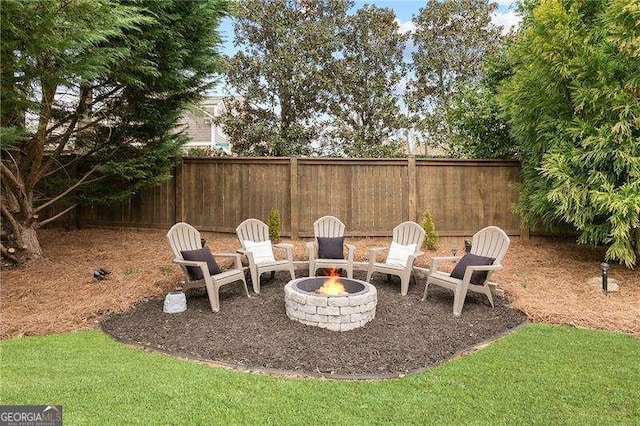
(336, 313)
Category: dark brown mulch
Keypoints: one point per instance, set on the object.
(406, 334)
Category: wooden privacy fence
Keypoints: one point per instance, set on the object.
(370, 196)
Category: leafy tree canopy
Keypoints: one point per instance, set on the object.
(451, 39)
(574, 106)
(313, 78)
(479, 126)
(363, 97)
(280, 73)
(91, 94)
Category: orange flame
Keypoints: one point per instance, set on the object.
(332, 286)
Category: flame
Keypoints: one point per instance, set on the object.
(332, 286)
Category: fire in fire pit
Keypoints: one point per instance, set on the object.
(313, 301)
(332, 286)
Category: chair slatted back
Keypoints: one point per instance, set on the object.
(252, 230)
(183, 236)
(490, 242)
(328, 227)
(409, 233)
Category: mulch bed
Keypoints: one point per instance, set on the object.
(406, 336)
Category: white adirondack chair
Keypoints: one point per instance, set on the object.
(329, 227)
(404, 250)
(182, 237)
(490, 242)
(260, 256)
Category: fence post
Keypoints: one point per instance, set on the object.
(177, 193)
(412, 176)
(293, 196)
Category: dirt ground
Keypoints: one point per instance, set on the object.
(549, 280)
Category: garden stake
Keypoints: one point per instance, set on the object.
(605, 277)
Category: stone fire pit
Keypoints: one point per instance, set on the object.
(351, 309)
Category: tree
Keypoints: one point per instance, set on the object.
(280, 73)
(363, 101)
(91, 95)
(479, 126)
(574, 106)
(451, 39)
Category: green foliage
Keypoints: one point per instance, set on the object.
(279, 74)
(314, 79)
(204, 152)
(92, 93)
(274, 225)
(363, 106)
(528, 377)
(451, 39)
(574, 106)
(431, 236)
(480, 128)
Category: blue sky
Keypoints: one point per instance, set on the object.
(404, 10)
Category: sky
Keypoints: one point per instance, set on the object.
(404, 10)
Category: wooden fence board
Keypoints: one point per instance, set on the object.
(371, 196)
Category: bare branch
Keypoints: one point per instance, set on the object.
(62, 213)
(63, 139)
(12, 222)
(77, 158)
(10, 178)
(36, 150)
(15, 187)
(65, 192)
(5, 252)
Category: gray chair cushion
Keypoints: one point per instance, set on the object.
(330, 248)
(200, 255)
(478, 277)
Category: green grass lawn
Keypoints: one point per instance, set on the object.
(537, 375)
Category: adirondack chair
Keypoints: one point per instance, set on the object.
(328, 230)
(185, 241)
(256, 245)
(472, 273)
(405, 248)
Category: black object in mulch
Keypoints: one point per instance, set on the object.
(100, 274)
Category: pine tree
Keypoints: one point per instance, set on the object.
(91, 94)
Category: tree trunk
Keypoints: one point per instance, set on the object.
(31, 246)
